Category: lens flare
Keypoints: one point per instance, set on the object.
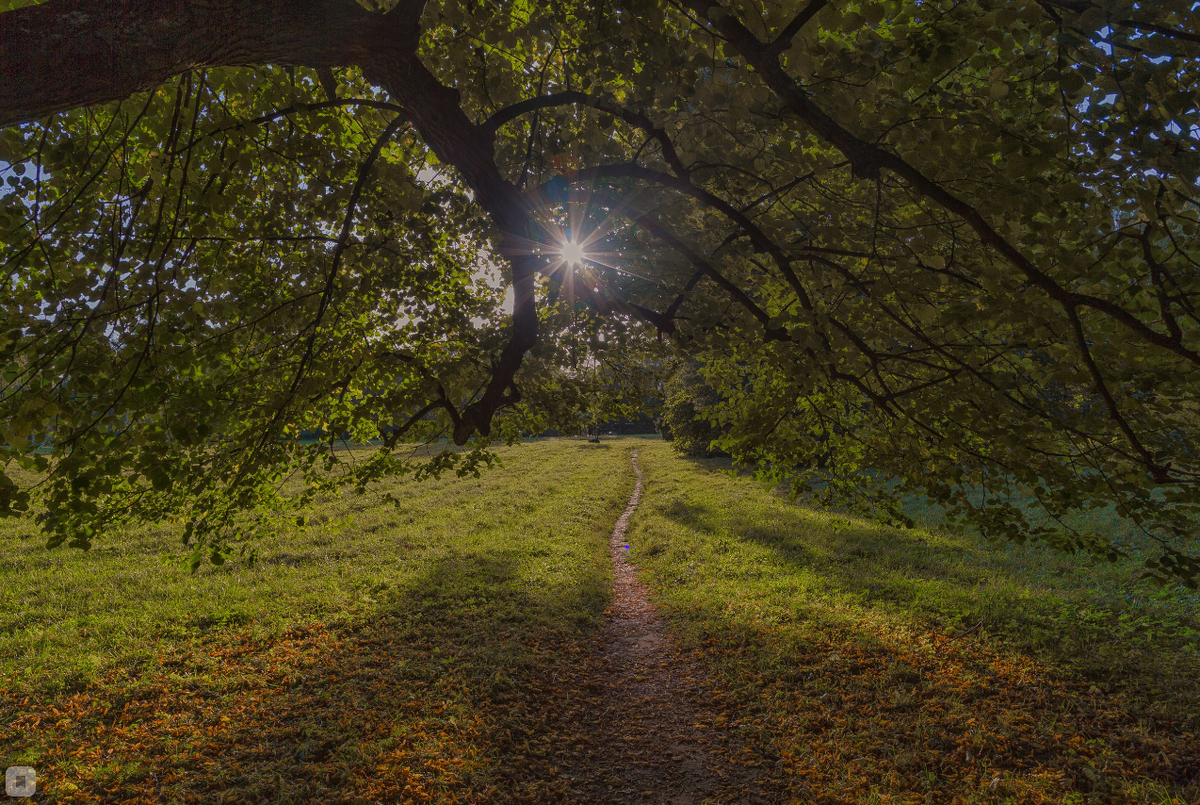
(572, 253)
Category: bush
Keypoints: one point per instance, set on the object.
(685, 418)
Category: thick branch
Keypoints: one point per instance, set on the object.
(64, 54)
(501, 390)
(784, 40)
(1172, 33)
(437, 114)
(119, 47)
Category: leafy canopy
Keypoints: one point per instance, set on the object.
(917, 246)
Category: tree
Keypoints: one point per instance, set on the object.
(950, 244)
(684, 421)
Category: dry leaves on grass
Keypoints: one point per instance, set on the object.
(375, 712)
(364, 714)
(387, 711)
(862, 713)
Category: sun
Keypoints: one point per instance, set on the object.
(572, 253)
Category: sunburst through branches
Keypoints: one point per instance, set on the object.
(572, 254)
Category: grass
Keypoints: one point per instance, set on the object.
(435, 650)
(414, 637)
(900, 665)
(68, 614)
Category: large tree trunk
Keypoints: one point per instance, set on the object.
(436, 112)
(64, 54)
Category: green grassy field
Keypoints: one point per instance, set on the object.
(535, 527)
(458, 598)
(703, 530)
(903, 664)
(426, 651)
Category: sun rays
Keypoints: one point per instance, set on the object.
(581, 247)
(573, 254)
(582, 244)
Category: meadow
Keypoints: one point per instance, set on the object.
(436, 648)
(914, 666)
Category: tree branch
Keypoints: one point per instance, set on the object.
(119, 47)
(867, 160)
(1161, 473)
(572, 97)
(784, 40)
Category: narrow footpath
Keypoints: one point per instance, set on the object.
(654, 732)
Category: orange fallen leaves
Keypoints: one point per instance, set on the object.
(865, 714)
(317, 714)
(369, 713)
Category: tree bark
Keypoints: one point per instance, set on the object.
(64, 54)
(436, 112)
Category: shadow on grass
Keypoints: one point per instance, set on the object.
(442, 691)
(1106, 631)
(885, 663)
(869, 564)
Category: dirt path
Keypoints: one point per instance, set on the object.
(654, 732)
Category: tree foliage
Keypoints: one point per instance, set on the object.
(686, 413)
(949, 243)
